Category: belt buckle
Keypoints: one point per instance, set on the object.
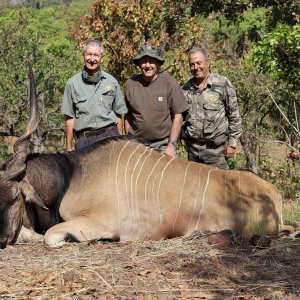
(85, 133)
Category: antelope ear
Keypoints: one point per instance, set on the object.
(30, 194)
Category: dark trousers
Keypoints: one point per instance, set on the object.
(84, 141)
(207, 154)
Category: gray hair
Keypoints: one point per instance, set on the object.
(199, 50)
(94, 43)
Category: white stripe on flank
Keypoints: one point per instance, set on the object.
(134, 195)
(146, 183)
(153, 192)
(136, 184)
(130, 215)
(225, 190)
(109, 163)
(117, 185)
(158, 189)
(203, 199)
(180, 196)
(195, 198)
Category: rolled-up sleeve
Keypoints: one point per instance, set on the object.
(67, 107)
(119, 106)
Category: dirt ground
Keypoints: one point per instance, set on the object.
(216, 266)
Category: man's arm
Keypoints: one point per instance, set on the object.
(175, 131)
(69, 133)
(234, 119)
(67, 109)
(120, 124)
(127, 126)
(119, 108)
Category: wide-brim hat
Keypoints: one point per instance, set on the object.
(148, 50)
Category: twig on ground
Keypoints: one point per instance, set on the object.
(101, 278)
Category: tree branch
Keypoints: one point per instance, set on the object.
(282, 113)
(280, 142)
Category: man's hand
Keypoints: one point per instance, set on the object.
(229, 152)
(70, 148)
(171, 151)
(174, 134)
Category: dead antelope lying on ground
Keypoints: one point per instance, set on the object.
(119, 189)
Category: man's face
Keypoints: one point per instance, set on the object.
(92, 58)
(149, 67)
(199, 66)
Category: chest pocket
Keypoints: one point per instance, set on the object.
(213, 110)
(80, 103)
(107, 99)
(159, 103)
(214, 114)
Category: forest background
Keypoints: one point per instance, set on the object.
(256, 44)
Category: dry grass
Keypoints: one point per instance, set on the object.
(197, 267)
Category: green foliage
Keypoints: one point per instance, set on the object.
(255, 105)
(3, 152)
(278, 53)
(274, 24)
(279, 11)
(41, 38)
(292, 212)
(285, 175)
(38, 4)
(283, 12)
(237, 162)
(234, 41)
(262, 121)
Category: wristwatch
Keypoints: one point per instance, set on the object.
(174, 143)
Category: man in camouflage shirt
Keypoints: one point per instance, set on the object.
(213, 124)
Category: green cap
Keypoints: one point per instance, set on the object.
(148, 50)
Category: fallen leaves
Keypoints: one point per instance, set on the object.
(180, 268)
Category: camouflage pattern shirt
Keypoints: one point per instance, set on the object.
(213, 113)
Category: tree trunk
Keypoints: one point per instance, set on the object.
(250, 160)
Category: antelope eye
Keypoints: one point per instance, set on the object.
(9, 194)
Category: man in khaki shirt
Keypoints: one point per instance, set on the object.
(93, 102)
(155, 103)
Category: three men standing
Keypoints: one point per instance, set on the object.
(93, 105)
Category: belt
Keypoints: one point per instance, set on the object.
(199, 141)
(87, 133)
(208, 143)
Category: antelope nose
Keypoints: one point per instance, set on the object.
(2, 246)
(3, 242)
